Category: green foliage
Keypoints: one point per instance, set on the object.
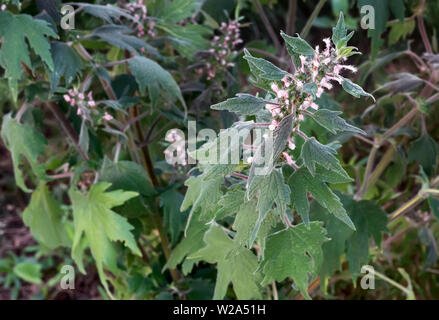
(23, 142)
(44, 217)
(94, 219)
(243, 104)
(382, 9)
(298, 193)
(14, 30)
(424, 151)
(296, 253)
(235, 264)
(149, 74)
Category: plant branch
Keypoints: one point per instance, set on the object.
(68, 129)
(311, 19)
(148, 165)
(268, 26)
(291, 17)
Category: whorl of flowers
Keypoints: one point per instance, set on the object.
(319, 72)
(140, 13)
(84, 104)
(223, 47)
(177, 140)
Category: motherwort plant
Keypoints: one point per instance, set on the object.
(253, 218)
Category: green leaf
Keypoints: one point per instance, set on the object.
(94, 219)
(424, 151)
(434, 206)
(370, 221)
(243, 104)
(230, 203)
(272, 190)
(191, 243)
(354, 89)
(270, 149)
(14, 30)
(187, 39)
(296, 45)
(339, 31)
(302, 182)
(203, 195)
(333, 250)
(223, 154)
(23, 141)
(294, 253)
(400, 30)
(66, 63)
(381, 16)
(179, 10)
(235, 265)
(149, 74)
(171, 201)
(30, 272)
(245, 222)
(43, 216)
(264, 69)
(331, 121)
(128, 176)
(119, 36)
(108, 13)
(313, 152)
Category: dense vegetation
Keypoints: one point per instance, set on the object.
(236, 149)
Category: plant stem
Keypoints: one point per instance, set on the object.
(423, 32)
(414, 201)
(268, 26)
(382, 165)
(68, 129)
(148, 165)
(369, 166)
(291, 17)
(311, 19)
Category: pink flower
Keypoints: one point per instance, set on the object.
(273, 125)
(328, 46)
(66, 97)
(314, 106)
(107, 116)
(303, 61)
(283, 94)
(286, 81)
(274, 87)
(92, 103)
(81, 96)
(301, 118)
(288, 159)
(291, 144)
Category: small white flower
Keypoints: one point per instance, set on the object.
(107, 116)
(249, 159)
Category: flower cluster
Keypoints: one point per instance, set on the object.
(297, 93)
(84, 103)
(139, 11)
(178, 143)
(223, 47)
